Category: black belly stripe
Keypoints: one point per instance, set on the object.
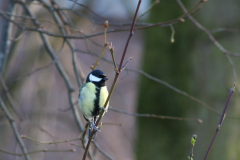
(96, 110)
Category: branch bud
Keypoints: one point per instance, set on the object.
(199, 121)
(23, 136)
(106, 24)
(182, 20)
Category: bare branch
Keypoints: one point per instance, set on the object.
(53, 142)
(155, 116)
(15, 130)
(115, 79)
(38, 151)
(221, 120)
(219, 46)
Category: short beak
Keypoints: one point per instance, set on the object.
(105, 78)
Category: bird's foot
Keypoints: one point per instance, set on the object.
(94, 127)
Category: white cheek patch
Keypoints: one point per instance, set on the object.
(93, 78)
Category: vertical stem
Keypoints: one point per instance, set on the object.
(105, 44)
(115, 79)
(221, 120)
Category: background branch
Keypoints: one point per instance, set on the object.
(15, 130)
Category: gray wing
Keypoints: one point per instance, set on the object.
(80, 97)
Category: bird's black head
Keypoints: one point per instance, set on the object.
(97, 77)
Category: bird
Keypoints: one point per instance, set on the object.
(92, 97)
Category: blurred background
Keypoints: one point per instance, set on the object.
(179, 69)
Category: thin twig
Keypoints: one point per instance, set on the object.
(82, 5)
(38, 151)
(113, 57)
(166, 84)
(44, 67)
(105, 45)
(52, 142)
(172, 35)
(15, 130)
(129, 59)
(191, 11)
(155, 116)
(142, 25)
(219, 46)
(154, 3)
(59, 67)
(51, 10)
(193, 140)
(221, 120)
(84, 134)
(12, 104)
(115, 79)
(9, 97)
(76, 145)
(175, 89)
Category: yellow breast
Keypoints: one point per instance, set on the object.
(103, 96)
(86, 99)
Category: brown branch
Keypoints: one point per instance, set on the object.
(104, 46)
(115, 80)
(221, 120)
(113, 57)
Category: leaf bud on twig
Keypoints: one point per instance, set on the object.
(106, 24)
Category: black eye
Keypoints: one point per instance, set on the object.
(102, 76)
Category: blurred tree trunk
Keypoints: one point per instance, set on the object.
(170, 62)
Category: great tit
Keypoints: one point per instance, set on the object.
(92, 97)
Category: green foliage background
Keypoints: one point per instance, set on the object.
(195, 65)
